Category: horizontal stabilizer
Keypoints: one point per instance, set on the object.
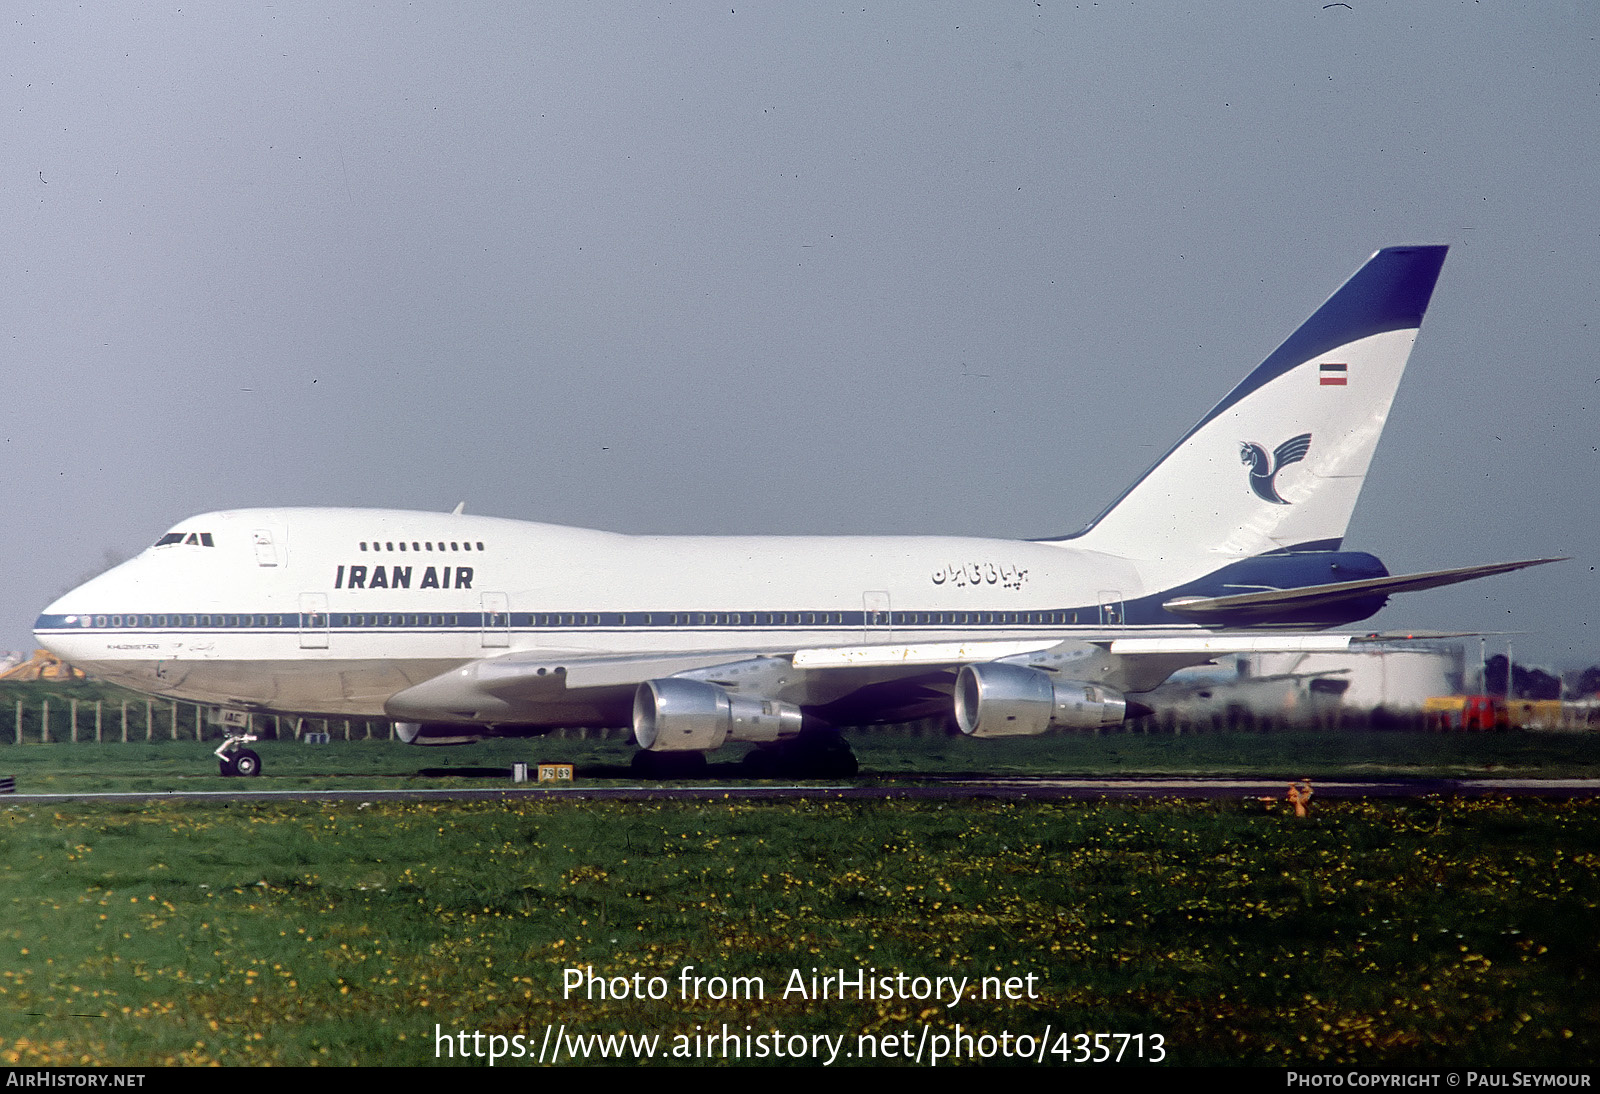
(1242, 608)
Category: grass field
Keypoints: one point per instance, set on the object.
(188, 764)
(1395, 933)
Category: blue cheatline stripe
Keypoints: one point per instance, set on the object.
(360, 622)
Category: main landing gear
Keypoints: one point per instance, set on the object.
(822, 755)
(668, 765)
(236, 759)
(809, 756)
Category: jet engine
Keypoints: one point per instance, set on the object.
(677, 715)
(995, 699)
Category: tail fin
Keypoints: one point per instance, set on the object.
(1278, 464)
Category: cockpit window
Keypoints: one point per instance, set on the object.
(195, 539)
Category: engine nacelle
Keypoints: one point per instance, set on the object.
(676, 715)
(425, 733)
(995, 699)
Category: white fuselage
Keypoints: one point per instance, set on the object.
(332, 611)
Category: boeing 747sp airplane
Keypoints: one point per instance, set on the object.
(461, 627)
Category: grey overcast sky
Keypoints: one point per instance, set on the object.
(744, 268)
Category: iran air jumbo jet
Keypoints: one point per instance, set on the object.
(461, 627)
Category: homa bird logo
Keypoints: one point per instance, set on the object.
(1264, 473)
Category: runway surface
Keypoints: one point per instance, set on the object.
(955, 789)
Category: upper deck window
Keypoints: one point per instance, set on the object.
(378, 545)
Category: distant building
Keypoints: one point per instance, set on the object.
(1381, 681)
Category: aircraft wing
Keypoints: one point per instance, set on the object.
(841, 685)
(1257, 608)
(535, 686)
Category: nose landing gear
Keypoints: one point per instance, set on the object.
(235, 759)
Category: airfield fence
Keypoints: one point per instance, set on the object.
(60, 720)
(68, 713)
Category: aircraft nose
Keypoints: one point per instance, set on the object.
(73, 611)
(52, 626)
(71, 603)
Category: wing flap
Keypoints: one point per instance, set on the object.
(926, 653)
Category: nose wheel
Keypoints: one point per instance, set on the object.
(235, 759)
